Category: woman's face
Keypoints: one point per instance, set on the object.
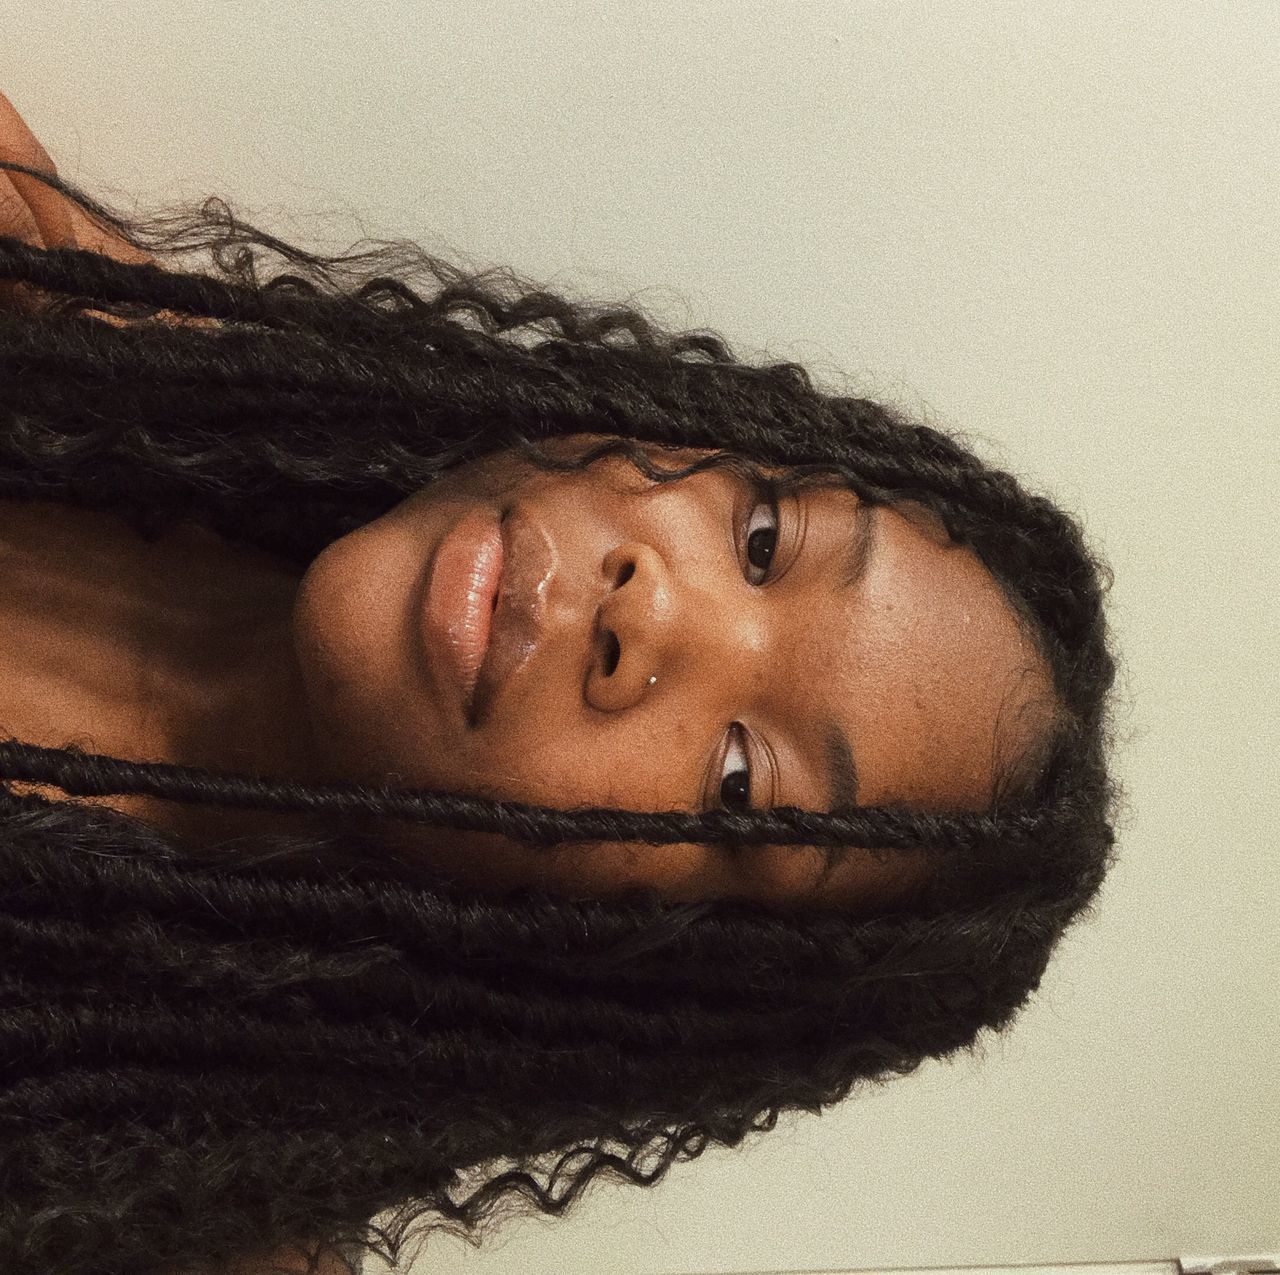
(667, 646)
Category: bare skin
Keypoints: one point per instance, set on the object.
(195, 652)
(84, 596)
(31, 211)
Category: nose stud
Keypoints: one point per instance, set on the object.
(653, 679)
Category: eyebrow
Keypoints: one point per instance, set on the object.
(842, 769)
(859, 545)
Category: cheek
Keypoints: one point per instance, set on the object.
(496, 865)
(546, 763)
(677, 872)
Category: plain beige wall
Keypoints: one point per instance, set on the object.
(1051, 225)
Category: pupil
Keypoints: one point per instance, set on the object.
(734, 789)
(756, 546)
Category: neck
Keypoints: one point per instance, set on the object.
(179, 651)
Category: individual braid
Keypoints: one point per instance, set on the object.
(210, 1052)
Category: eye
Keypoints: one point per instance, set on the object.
(735, 773)
(762, 534)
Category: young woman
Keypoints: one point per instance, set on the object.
(456, 742)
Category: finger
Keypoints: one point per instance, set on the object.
(43, 217)
(46, 209)
(29, 210)
(61, 221)
(15, 217)
(18, 143)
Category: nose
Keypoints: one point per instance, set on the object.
(634, 628)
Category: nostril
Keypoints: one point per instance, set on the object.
(612, 653)
(628, 570)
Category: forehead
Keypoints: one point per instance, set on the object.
(923, 662)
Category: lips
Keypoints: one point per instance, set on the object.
(457, 617)
(485, 603)
(528, 563)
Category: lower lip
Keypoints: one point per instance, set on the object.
(459, 606)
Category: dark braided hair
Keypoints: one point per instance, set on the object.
(212, 1052)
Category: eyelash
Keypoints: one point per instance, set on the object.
(766, 493)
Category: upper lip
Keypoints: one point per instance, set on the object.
(528, 561)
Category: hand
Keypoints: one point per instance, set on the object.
(38, 214)
(289, 1260)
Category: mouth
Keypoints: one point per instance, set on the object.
(519, 606)
(485, 602)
